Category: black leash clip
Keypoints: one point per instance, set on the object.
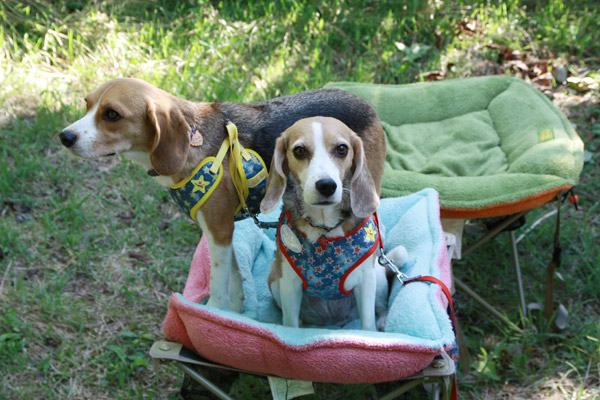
(258, 222)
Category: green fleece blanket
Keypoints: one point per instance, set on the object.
(479, 142)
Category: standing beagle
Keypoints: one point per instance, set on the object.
(328, 235)
(180, 143)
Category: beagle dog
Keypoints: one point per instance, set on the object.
(170, 137)
(328, 236)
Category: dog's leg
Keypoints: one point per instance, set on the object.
(276, 292)
(382, 289)
(381, 296)
(220, 261)
(236, 288)
(364, 282)
(274, 279)
(290, 287)
(216, 218)
(225, 278)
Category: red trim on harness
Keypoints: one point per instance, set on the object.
(364, 257)
(281, 246)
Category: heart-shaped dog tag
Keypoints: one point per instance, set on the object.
(289, 239)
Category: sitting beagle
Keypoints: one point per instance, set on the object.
(202, 151)
(328, 235)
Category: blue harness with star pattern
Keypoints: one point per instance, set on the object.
(325, 265)
(248, 172)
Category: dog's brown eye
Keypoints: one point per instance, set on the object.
(111, 115)
(341, 150)
(299, 152)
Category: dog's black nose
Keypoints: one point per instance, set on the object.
(326, 187)
(67, 138)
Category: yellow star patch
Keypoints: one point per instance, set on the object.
(200, 184)
(371, 232)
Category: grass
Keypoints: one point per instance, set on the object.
(87, 260)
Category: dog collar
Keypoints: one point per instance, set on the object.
(325, 265)
(248, 172)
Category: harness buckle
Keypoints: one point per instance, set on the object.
(386, 262)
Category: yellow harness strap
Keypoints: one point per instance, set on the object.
(236, 151)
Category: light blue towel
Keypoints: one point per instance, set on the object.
(416, 315)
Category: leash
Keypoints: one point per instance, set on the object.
(405, 280)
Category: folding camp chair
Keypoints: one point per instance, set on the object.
(491, 146)
(412, 349)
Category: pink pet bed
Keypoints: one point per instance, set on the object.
(417, 329)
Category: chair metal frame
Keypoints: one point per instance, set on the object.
(437, 376)
(557, 316)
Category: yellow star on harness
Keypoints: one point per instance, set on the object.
(199, 184)
(371, 232)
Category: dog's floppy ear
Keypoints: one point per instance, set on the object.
(364, 199)
(171, 138)
(277, 179)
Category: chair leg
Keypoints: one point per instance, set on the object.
(518, 270)
(436, 391)
(405, 387)
(464, 355)
(551, 268)
(201, 379)
(485, 304)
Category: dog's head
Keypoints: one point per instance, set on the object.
(130, 115)
(323, 157)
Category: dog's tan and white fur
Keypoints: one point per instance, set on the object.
(320, 170)
(152, 128)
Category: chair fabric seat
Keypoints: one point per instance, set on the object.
(417, 327)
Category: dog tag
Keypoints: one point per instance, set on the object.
(289, 239)
(196, 140)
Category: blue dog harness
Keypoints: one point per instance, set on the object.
(249, 176)
(325, 265)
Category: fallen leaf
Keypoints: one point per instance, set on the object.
(139, 257)
(432, 76)
(583, 84)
